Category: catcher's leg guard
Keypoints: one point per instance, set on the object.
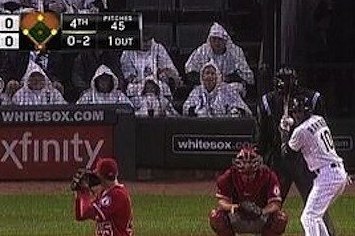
(219, 222)
(276, 224)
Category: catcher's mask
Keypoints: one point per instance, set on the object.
(247, 161)
(286, 79)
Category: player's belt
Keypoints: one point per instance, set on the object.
(332, 165)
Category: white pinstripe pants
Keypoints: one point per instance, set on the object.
(328, 184)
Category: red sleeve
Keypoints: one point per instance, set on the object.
(83, 205)
(225, 186)
(274, 193)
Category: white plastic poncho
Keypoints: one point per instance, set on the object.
(134, 90)
(92, 96)
(222, 101)
(4, 98)
(23, 8)
(159, 104)
(46, 96)
(232, 60)
(141, 64)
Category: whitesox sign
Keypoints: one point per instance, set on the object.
(49, 152)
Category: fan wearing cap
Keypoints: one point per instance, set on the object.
(248, 180)
(111, 207)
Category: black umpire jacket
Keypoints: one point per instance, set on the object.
(270, 111)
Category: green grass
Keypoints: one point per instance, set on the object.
(154, 215)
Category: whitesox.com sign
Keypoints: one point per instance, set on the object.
(50, 152)
(209, 144)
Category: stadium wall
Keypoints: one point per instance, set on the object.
(50, 143)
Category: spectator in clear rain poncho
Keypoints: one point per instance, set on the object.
(14, 6)
(16, 64)
(86, 63)
(72, 6)
(151, 103)
(228, 57)
(152, 60)
(214, 98)
(134, 90)
(4, 97)
(104, 89)
(37, 89)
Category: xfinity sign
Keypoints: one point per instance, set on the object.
(29, 149)
(51, 152)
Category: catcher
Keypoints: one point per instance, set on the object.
(249, 199)
(100, 197)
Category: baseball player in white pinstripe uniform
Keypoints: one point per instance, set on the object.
(313, 138)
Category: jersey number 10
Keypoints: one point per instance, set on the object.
(327, 140)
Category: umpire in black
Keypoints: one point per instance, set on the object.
(271, 108)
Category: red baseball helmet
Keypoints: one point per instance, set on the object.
(248, 160)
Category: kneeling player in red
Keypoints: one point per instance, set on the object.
(110, 207)
(249, 199)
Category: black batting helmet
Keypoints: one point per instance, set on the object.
(285, 77)
(299, 104)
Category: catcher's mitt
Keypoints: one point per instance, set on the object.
(249, 210)
(278, 222)
(241, 225)
(84, 176)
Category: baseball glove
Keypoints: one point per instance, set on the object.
(249, 210)
(83, 176)
(241, 225)
(278, 222)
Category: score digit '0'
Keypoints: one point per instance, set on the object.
(9, 28)
(9, 23)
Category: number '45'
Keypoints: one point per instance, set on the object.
(118, 25)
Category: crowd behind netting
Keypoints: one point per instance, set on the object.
(216, 73)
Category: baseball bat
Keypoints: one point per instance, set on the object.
(287, 100)
(286, 104)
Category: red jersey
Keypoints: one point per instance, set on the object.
(264, 188)
(114, 214)
(111, 210)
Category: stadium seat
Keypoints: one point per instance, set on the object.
(162, 32)
(237, 5)
(191, 36)
(153, 10)
(200, 11)
(151, 5)
(199, 6)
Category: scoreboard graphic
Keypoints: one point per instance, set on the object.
(51, 31)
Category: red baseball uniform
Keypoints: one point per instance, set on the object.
(264, 188)
(111, 210)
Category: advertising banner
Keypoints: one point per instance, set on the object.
(343, 143)
(206, 143)
(64, 114)
(209, 144)
(51, 152)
